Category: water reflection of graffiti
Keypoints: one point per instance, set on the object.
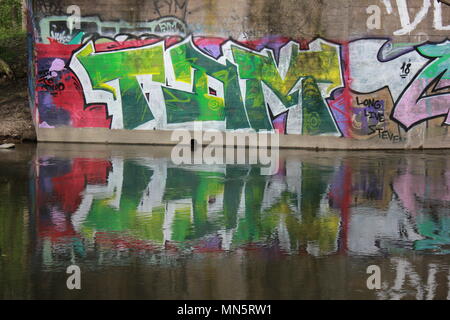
(427, 198)
(160, 205)
(152, 206)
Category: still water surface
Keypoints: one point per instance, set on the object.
(140, 227)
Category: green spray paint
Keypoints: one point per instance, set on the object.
(125, 65)
(202, 104)
(316, 116)
(441, 62)
(317, 66)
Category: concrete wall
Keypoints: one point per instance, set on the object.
(326, 74)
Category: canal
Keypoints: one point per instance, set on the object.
(140, 227)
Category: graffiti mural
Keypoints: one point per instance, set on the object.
(155, 75)
(56, 28)
(168, 88)
(428, 95)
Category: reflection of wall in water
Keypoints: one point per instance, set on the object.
(150, 204)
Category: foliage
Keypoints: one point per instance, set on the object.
(5, 71)
(12, 37)
(10, 16)
(13, 51)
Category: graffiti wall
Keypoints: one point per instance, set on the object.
(178, 63)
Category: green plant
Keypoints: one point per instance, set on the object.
(13, 51)
(10, 15)
(12, 38)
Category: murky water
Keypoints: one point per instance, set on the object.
(140, 227)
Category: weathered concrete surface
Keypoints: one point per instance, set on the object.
(253, 19)
(169, 138)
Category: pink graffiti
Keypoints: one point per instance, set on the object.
(57, 65)
(414, 106)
